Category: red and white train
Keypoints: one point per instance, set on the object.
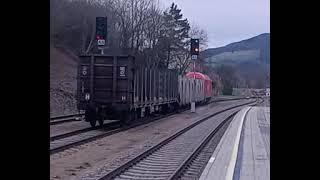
(197, 85)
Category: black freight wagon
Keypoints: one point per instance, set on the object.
(113, 87)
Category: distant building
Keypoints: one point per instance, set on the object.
(248, 92)
(241, 92)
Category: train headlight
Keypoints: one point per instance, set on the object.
(87, 97)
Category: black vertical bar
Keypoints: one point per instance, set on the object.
(130, 74)
(157, 85)
(91, 79)
(78, 81)
(147, 82)
(165, 85)
(145, 85)
(154, 85)
(114, 79)
(168, 82)
(170, 85)
(174, 84)
(177, 92)
(181, 92)
(141, 85)
(177, 86)
(135, 90)
(150, 84)
(160, 85)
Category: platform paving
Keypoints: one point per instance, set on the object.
(244, 151)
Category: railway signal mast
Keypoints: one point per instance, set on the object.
(194, 50)
(101, 33)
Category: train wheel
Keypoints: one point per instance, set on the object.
(100, 120)
(165, 109)
(129, 117)
(90, 116)
(93, 123)
(133, 116)
(136, 116)
(123, 118)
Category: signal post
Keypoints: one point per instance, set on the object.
(194, 50)
(101, 33)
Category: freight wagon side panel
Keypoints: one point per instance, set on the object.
(155, 87)
(105, 81)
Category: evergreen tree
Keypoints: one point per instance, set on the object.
(174, 34)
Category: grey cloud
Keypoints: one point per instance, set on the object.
(226, 21)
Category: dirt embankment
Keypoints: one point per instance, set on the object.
(63, 73)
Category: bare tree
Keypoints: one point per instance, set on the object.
(137, 27)
(182, 59)
(201, 34)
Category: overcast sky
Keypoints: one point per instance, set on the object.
(226, 21)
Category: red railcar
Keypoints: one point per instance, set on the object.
(207, 82)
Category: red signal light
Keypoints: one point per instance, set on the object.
(196, 49)
(98, 37)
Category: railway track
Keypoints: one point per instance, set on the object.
(166, 160)
(64, 119)
(77, 117)
(71, 139)
(70, 118)
(180, 155)
(82, 136)
(197, 161)
(108, 126)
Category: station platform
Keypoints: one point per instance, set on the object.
(244, 150)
